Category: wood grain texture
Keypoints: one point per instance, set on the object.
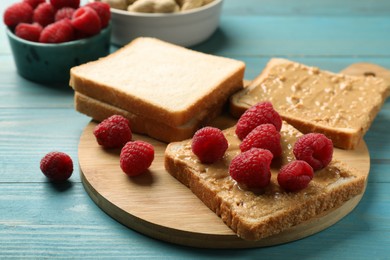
(39, 220)
(157, 205)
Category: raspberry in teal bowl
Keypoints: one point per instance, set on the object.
(50, 63)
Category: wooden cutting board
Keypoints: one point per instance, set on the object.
(159, 206)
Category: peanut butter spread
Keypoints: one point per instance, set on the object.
(325, 98)
(258, 203)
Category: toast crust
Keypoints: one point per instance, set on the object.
(256, 214)
(139, 124)
(168, 83)
(344, 115)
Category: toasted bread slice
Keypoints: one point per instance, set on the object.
(256, 214)
(139, 124)
(164, 82)
(340, 106)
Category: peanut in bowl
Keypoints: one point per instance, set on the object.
(181, 27)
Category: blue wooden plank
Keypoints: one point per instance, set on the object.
(301, 36)
(304, 36)
(306, 7)
(62, 222)
(39, 220)
(27, 135)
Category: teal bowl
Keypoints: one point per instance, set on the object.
(50, 63)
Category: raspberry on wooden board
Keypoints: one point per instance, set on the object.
(136, 157)
(113, 132)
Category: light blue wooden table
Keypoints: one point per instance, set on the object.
(41, 220)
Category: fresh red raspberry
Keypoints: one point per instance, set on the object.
(295, 175)
(61, 31)
(136, 157)
(113, 132)
(18, 13)
(34, 3)
(252, 168)
(44, 14)
(64, 13)
(103, 10)
(57, 166)
(209, 144)
(86, 20)
(261, 113)
(58, 4)
(29, 32)
(263, 136)
(314, 148)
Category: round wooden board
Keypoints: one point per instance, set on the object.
(158, 205)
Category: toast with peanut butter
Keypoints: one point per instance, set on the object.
(312, 100)
(257, 214)
(160, 81)
(139, 124)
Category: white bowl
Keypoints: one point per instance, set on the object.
(184, 28)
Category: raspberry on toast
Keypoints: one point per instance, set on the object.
(259, 213)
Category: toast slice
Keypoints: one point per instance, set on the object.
(256, 214)
(340, 106)
(139, 124)
(164, 82)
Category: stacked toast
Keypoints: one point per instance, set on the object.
(168, 92)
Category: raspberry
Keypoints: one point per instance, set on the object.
(18, 13)
(261, 113)
(86, 20)
(58, 4)
(29, 32)
(295, 175)
(113, 132)
(263, 136)
(209, 144)
(314, 148)
(65, 12)
(61, 31)
(136, 157)
(103, 10)
(34, 3)
(44, 14)
(57, 166)
(252, 168)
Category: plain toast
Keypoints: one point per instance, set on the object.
(139, 124)
(165, 82)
